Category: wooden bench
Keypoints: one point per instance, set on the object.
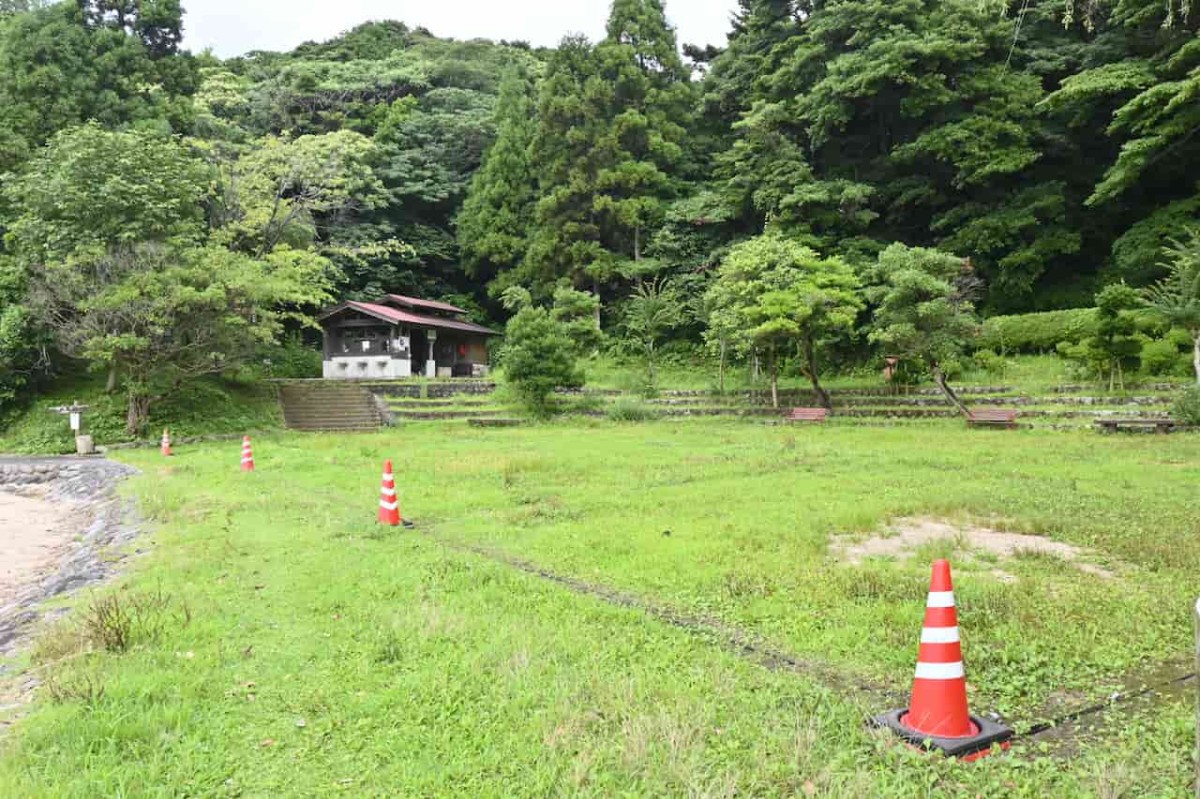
(997, 417)
(1159, 425)
(808, 415)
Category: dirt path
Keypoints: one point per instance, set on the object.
(34, 536)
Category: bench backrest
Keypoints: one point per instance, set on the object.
(809, 414)
(996, 415)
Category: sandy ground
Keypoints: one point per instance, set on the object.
(34, 535)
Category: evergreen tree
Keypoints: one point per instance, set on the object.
(496, 216)
(565, 240)
(609, 148)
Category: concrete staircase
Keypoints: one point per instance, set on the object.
(316, 405)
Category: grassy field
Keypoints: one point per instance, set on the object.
(280, 644)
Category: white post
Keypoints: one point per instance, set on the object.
(431, 364)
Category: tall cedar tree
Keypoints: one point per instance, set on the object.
(495, 219)
(609, 149)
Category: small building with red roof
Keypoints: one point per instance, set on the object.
(399, 336)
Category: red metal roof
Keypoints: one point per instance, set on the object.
(432, 305)
(397, 316)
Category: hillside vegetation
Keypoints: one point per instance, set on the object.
(169, 216)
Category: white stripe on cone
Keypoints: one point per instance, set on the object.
(389, 478)
(940, 599)
(939, 635)
(941, 671)
(388, 505)
(389, 492)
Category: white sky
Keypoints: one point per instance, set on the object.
(233, 27)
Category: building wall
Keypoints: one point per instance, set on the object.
(367, 367)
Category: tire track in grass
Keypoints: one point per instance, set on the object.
(732, 638)
(1065, 729)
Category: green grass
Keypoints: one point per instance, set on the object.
(321, 656)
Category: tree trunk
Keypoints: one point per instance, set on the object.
(138, 415)
(637, 254)
(774, 382)
(1196, 354)
(650, 363)
(110, 386)
(940, 378)
(810, 359)
(596, 291)
(721, 373)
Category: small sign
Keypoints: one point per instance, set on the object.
(75, 412)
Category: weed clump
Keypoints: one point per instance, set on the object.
(628, 409)
(113, 623)
(1187, 407)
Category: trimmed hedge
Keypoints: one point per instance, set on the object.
(1037, 332)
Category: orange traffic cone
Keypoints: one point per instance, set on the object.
(166, 443)
(937, 717)
(389, 503)
(247, 455)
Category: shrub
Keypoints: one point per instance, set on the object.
(539, 357)
(990, 362)
(292, 359)
(1187, 407)
(627, 409)
(1038, 332)
(1161, 358)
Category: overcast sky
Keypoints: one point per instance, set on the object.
(233, 27)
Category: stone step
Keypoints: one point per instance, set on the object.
(331, 426)
(416, 404)
(347, 417)
(433, 416)
(318, 405)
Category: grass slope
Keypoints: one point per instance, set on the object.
(205, 407)
(321, 656)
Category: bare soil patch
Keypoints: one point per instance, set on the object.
(903, 537)
(34, 536)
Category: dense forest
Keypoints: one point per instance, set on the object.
(168, 214)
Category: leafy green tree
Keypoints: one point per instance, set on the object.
(21, 339)
(497, 213)
(654, 310)
(113, 250)
(91, 189)
(861, 122)
(923, 309)
(1136, 82)
(58, 69)
(1176, 298)
(157, 23)
(1116, 347)
(284, 192)
(165, 314)
(775, 296)
(538, 358)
